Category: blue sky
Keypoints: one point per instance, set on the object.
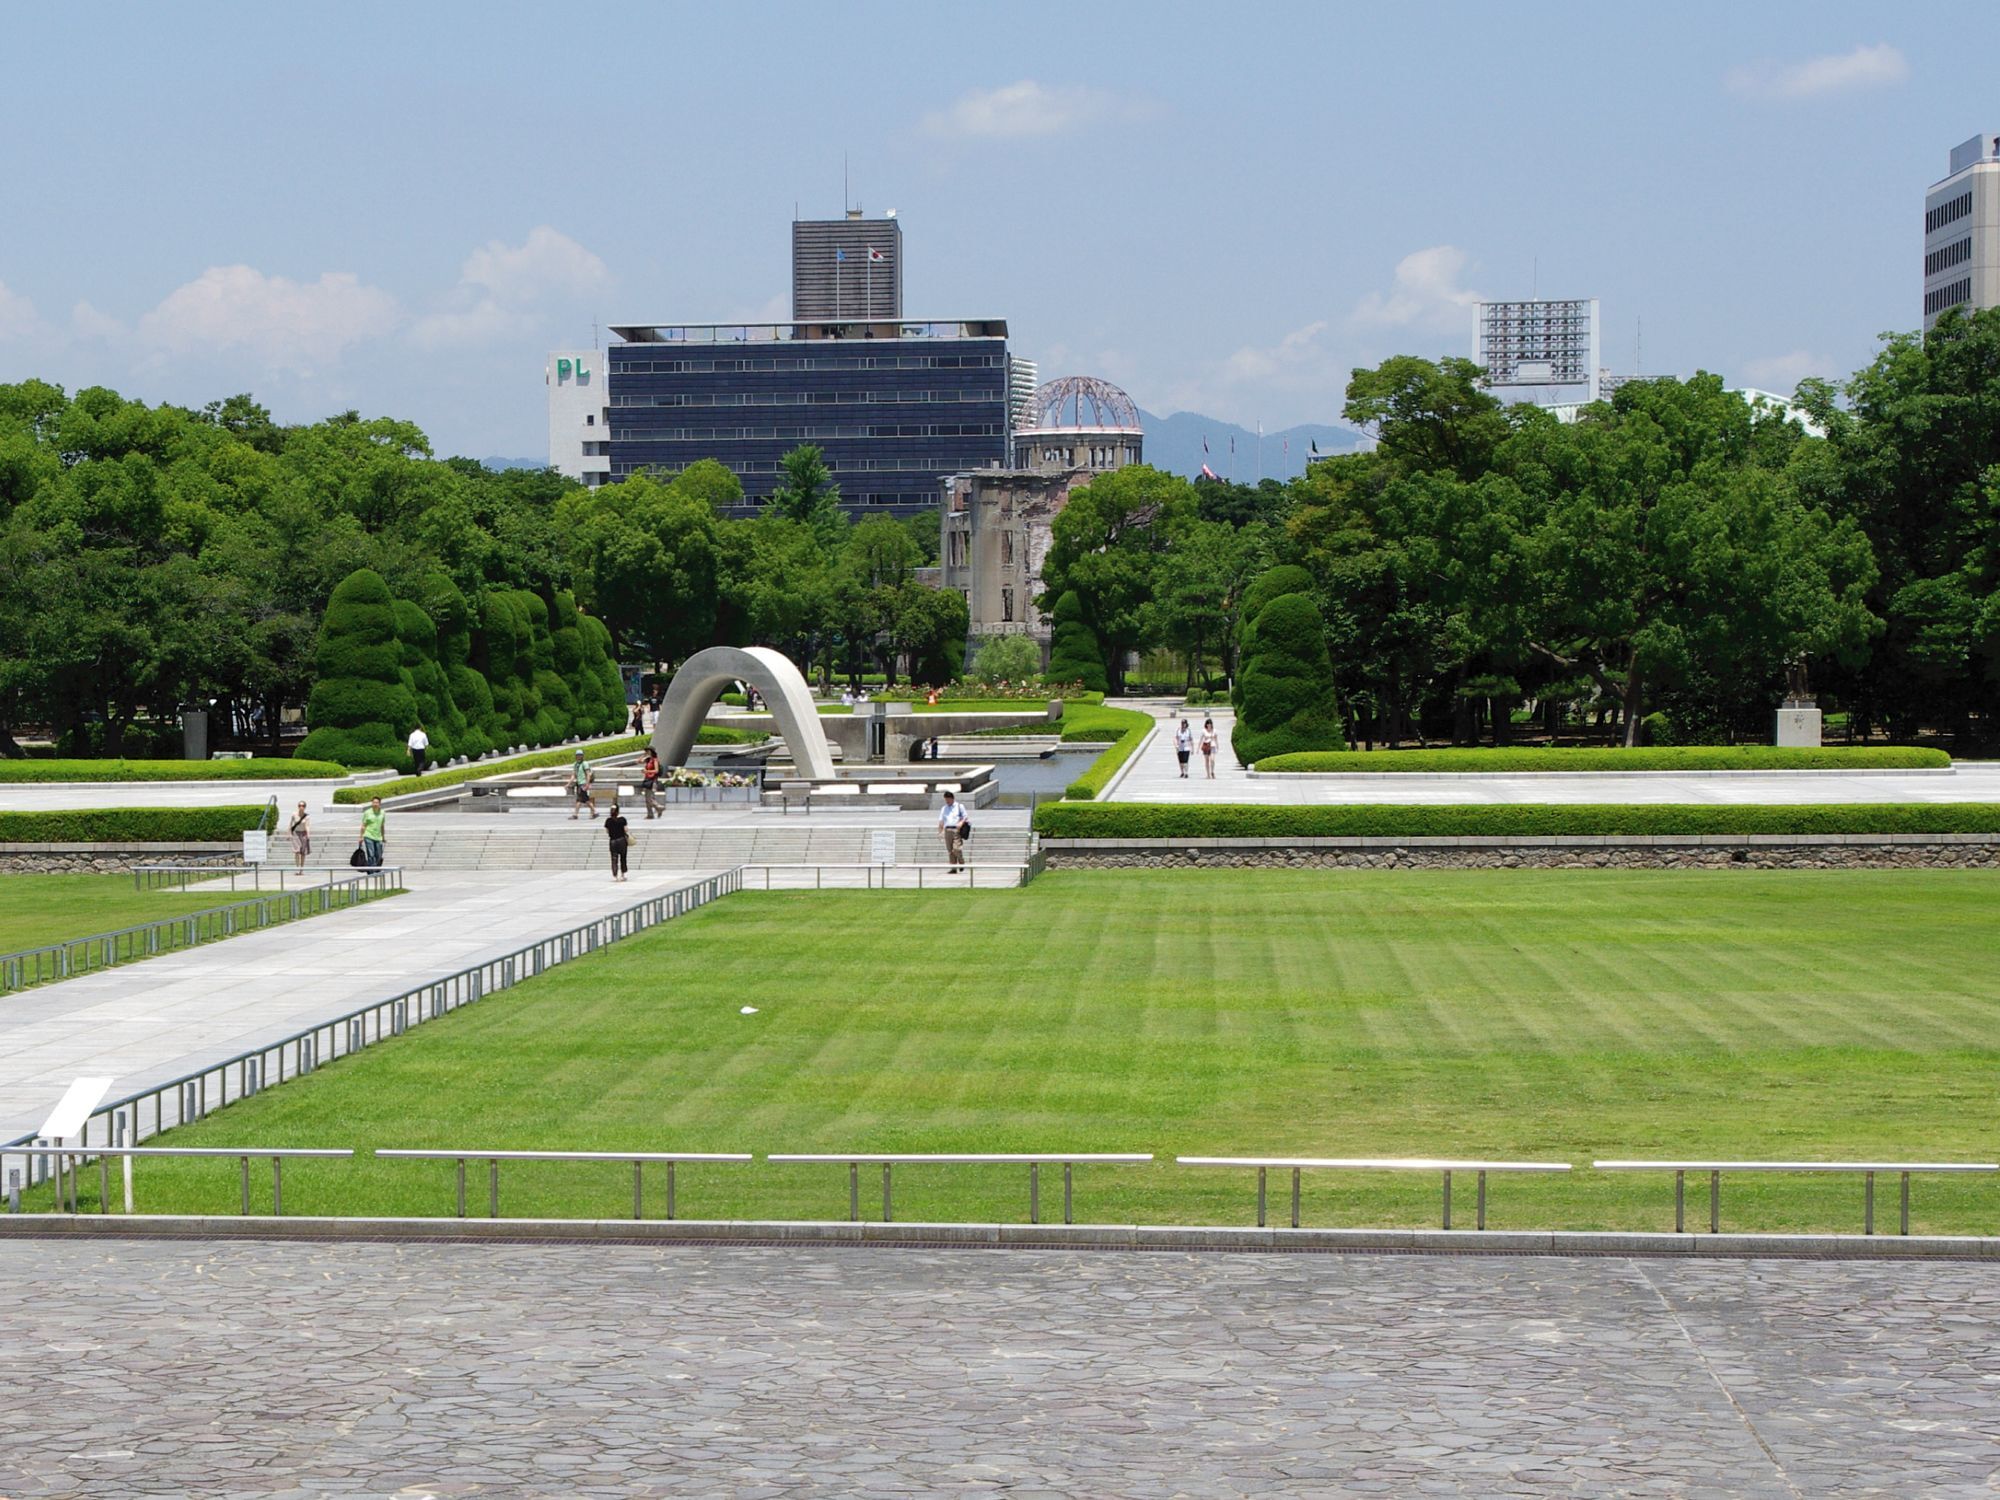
(1224, 209)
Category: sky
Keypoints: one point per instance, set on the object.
(1224, 209)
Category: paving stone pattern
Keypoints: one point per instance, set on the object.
(178, 1368)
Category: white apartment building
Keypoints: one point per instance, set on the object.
(579, 415)
(1962, 232)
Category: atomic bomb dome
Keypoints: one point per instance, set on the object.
(1077, 422)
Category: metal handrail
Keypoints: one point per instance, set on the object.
(1715, 1169)
(79, 1153)
(1444, 1165)
(1034, 1161)
(637, 1158)
(49, 962)
(1017, 872)
(379, 1020)
(180, 877)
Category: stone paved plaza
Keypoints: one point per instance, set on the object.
(150, 1367)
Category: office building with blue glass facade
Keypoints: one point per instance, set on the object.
(895, 406)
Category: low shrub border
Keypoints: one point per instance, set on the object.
(709, 734)
(262, 768)
(1125, 727)
(1136, 820)
(130, 825)
(1659, 758)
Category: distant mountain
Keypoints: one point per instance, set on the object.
(515, 463)
(1174, 444)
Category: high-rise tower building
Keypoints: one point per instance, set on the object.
(847, 268)
(1962, 232)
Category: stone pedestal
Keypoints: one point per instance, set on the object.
(1798, 728)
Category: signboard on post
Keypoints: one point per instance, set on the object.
(882, 846)
(256, 846)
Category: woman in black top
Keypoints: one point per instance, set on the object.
(614, 829)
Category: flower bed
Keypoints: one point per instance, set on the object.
(1653, 758)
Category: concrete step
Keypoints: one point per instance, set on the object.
(446, 845)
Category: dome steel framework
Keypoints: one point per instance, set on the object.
(1079, 403)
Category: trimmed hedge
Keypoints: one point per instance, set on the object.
(1075, 654)
(361, 707)
(1656, 758)
(129, 825)
(1126, 728)
(708, 734)
(1145, 820)
(265, 768)
(1285, 693)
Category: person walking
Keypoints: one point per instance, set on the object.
(1209, 741)
(649, 783)
(1183, 746)
(374, 833)
(420, 750)
(300, 829)
(953, 824)
(616, 830)
(639, 716)
(580, 778)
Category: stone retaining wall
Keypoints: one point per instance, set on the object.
(1068, 855)
(109, 859)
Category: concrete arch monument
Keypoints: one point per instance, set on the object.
(706, 675)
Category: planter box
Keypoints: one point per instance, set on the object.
(677, 795)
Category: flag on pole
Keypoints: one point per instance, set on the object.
(1288, 447)
(1204, 442)
(876, 256)
(1208, 473)
(840, 255)
(1232, 442)
(1315, 447)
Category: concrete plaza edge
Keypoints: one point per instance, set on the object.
(775, 1232)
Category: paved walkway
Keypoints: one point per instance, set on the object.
(1155, 778)
(163, 1368)
(154, 1021)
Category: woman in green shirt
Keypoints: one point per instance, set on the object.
(373, 821)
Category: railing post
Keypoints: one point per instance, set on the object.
(493, 1188)
(1034, 1192)
(887, 1215)
(1069, 1190)
(1295, 1197)
(1680, 1202)
(1906, 1203)
(277, 1186)
(244, 1162)
(1447, 1198)
(670, 1190)
(14, 1189)
(461, 1187)
(1868, 1203)
(638, 1191)
(103, 1184)
(1480, 1222)
(1715, 1203)
(1260, 1197)
(854, 1192)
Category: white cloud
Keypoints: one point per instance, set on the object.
(1781, 372)
(503, 289)
(288, 325)
(1018, 111)
(89, 322)
(18, 319)
(1426, 294)
(1879, 66)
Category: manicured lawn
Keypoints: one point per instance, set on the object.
(37, 909)
(1502, 1014)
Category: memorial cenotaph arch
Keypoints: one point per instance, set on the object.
(707, 675)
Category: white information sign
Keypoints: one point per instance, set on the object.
(882, 846)
(256, 846)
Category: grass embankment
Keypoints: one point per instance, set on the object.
(39, 909)
(1194, 820)
(36, 910)
(708, 734)
(1126, 729)
(1664, 758)
(129, 825)
(1526, 1016)
(263, 768)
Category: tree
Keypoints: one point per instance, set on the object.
(1106, 545)
(361, 710)
(807, 492)
(1074, 653)
(1006, 658)
(928, 626)
(1288, 700)
(1428, 417)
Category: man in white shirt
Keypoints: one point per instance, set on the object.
(420, 745)
(952, 823)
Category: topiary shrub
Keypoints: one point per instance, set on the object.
(1287, 682)
(1272, 583)
(556, 719)
(602, 663)
(1075, 655)
(503, 652)
(360, 708)
(417, 638)
(479, 729)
